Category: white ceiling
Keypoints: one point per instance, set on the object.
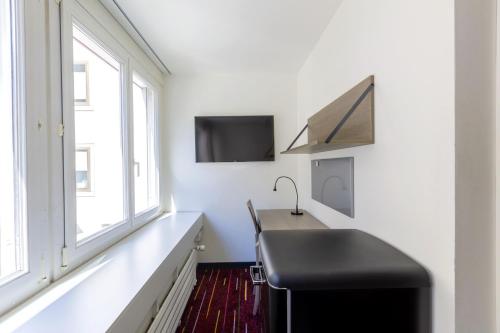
(231, 35)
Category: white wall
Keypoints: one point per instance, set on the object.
(221, 190)
(404, 183)
(475, 165)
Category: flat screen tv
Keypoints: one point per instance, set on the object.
(234, 139)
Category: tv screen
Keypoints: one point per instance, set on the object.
(234, 139)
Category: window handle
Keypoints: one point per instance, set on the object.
(137, 166)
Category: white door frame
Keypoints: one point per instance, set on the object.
(497, 168)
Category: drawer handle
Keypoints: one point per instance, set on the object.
(257, 275)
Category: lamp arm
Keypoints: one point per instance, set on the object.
(296, 192)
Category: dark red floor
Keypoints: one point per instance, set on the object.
(222, 301)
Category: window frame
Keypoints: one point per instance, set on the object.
(153, 86)
(76, 251)
(94, 22)
(17, 134)
(29, 106)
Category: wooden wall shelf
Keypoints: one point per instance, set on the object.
(344, 123)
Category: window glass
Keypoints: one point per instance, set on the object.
(145, 166)
(100, 172)
(12, 182)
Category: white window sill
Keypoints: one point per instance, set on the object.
(92, 297)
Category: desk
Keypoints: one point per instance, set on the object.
(341, 281)
(281, 219)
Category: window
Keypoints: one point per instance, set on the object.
(13, 236)
(101, 77)
(93, 174)
(23, 163)
(81, 83)
(83, 169)
(145, 161)
(110, 155)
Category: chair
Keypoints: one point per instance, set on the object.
(256, 222)
(256, 271)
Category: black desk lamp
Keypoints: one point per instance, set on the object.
(296, 211)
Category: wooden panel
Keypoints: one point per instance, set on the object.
(322, 147)
(281, 219)
(359, 126)
(357, 130)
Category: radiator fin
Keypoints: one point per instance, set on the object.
(169, 315)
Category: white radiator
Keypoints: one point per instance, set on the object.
(169, 315)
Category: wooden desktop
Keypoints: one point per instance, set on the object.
(282, 219)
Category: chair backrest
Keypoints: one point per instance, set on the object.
(256, 223)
